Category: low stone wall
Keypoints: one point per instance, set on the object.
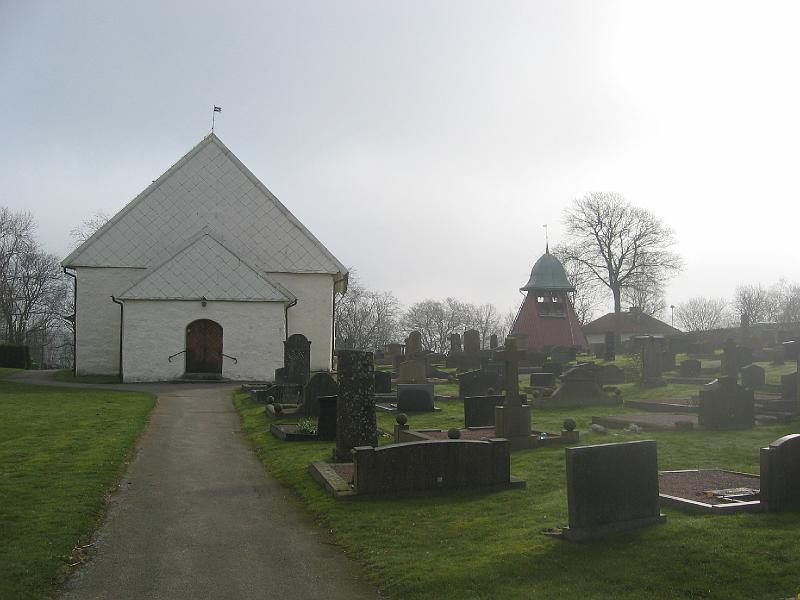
(426, 465)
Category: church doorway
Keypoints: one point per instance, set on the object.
(204, 347)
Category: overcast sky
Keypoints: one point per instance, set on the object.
(424, 143)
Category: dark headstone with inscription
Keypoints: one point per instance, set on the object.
(326, 420)
(455, 343)
(724, 404)
(730, 359)
(415, 397)
(296, 359)
(556, 368)
(543, 380)
(690, 368)
(479, 410)
(320, 384)
(512, 420)
(612, 488)
(414, 343)
(355, 410)
(383, 382)
(780, 473)
(611, 375)
(610, 346)
(753, 377)
(651, 361)
(478, 382)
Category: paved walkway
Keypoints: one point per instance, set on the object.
(198, 518)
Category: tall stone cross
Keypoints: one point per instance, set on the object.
(510, 357)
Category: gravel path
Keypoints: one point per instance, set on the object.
(197, 517)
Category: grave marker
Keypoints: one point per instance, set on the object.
(355, 410)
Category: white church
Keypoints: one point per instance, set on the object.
(205, 273)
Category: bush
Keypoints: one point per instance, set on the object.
(15, 356)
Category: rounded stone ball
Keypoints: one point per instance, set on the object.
(270, 399)
(401, 419)
(570, 424)
(454, 433)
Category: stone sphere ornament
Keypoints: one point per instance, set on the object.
(454, 433)
(401, 419)
(570, 424)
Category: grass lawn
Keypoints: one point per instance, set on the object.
(61, 453)
(471, 545)
(67, 376)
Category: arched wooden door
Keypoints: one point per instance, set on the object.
(204, 347)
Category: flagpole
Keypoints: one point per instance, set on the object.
(213, 117)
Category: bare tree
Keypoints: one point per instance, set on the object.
(754, 304)
(618, 243)
(88, 226)
(436, 321)
(31, 286)
(365, 318)
(701, 314)
(485, 320)
(647, 296)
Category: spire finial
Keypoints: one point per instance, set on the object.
(546, 240)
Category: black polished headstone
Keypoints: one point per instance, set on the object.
(415, 397)
(479, 410)
(320, 384)
(326, 421)
(383, 382)
(296, 359)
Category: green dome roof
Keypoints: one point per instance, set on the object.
(548, 274)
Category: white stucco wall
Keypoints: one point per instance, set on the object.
(313, 314)
(97, 317)
(253, 332)
(600, 338)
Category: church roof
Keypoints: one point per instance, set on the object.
(207, 188)
(205, 268)
(635, 322)
(548, 274)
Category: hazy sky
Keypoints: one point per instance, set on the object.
(424, 143)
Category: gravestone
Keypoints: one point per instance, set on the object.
(610, 346)
(415, 398)
(611, 375)
(414, 343)
(651, 361)
(512, 420)
(383, 382)
(667, 361)
(355, 408)
(744, 355)
(472, 342)
(296, 359)
(479, 410)
(536, 359)
(412, 371)
(793, 352)
(543, 380)
(730, 359)
(690, 368)
(580, 387)
(320, 384)
(789, 386)
(562, 354)
(326, 420)
(556, 368)
(612, 488)
(780, 473)
(724, 404)
(753, 377)
(455, 343)
(478, 383)
(493, 342)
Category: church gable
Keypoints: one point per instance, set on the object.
(205, 268)
(209, 188)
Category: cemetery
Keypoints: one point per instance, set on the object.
(602, 484)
